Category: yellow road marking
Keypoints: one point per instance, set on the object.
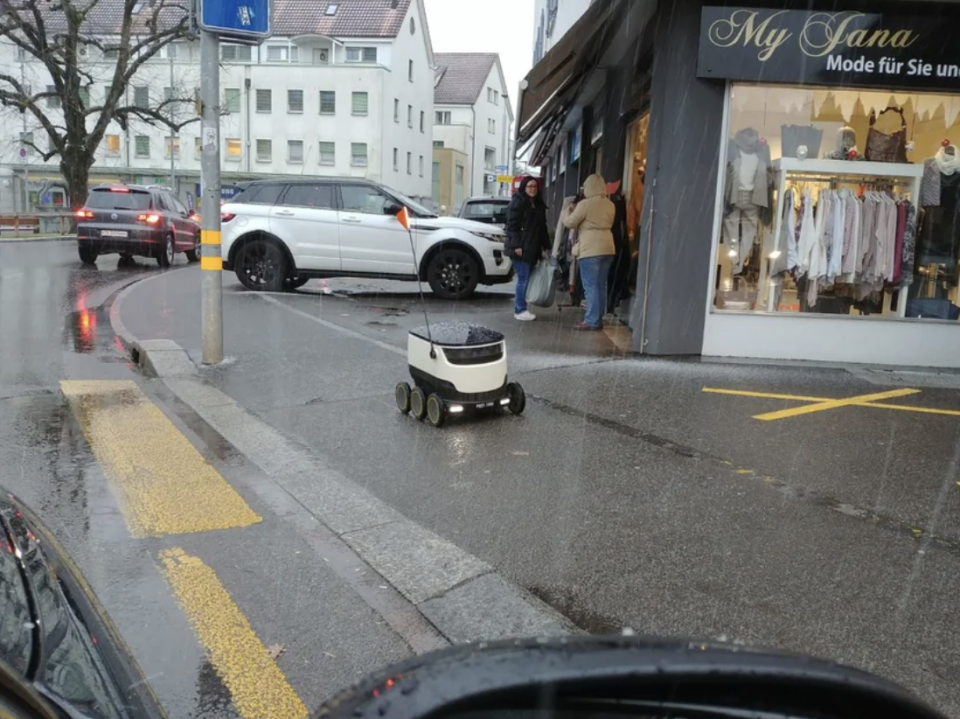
(765, 395)
(211, 263)
(823, 403)
(210, 237)
(165, 484)
(834, 404)
(258, 687)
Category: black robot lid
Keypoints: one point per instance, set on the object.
(458, 334)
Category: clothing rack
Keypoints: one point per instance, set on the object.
(840, 172)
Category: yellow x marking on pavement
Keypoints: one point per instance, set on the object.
(819, 404)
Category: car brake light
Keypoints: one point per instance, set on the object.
(226, 216)
(119, 189)
(85, 214)
(149, 219)
(194, 216)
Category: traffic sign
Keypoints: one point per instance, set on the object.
(508, 179)
(243, 20)
(23, 153)
(501, 169)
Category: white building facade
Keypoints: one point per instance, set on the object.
(344, 94)
(473, 115)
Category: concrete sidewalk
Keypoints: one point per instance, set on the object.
(627, 495)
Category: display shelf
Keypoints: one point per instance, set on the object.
(844, 172)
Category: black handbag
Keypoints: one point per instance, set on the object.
(882, 147)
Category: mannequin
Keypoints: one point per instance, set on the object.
(747, 194)
(939, 239)
(845, 147)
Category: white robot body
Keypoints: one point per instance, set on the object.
(457, 367)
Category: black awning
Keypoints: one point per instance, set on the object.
(554, 83)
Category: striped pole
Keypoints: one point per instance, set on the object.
(211, 262)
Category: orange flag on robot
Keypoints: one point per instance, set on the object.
(404, 217)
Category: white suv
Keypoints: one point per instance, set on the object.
(277, 234)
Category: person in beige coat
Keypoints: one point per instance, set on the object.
(592, 218)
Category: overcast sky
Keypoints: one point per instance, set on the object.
(501, 26)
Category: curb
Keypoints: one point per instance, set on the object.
(48, 238)
(459, 594)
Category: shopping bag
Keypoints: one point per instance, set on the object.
(542, 285)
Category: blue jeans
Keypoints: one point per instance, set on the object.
(523, 277)
(594, 272)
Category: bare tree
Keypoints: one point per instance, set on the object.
(60, 35)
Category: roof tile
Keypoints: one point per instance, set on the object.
(463, 76)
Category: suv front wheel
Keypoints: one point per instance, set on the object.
(262, 266)
(453, 274)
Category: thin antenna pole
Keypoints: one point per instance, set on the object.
(423, 302)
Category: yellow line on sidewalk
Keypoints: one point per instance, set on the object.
(908, 408)
(258, 687)
(860, 400)
(165, 484)
(766, 395)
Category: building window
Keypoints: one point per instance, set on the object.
(491, 126)
(264, 150)
(21, 54)
(358, 154)
(328, 153)
(396, 111)
(169, 52)
(328, 102)
(442, 117)
(410, 116)
(422, 118)
(396, 160)
(435, 180)
(282, 53)
(167, 94)
(113, 144)
(141, 146)
(321, 56)
(493, 96)
(410, 70)
(264, 100)
(84, 97)
(438, 144)
(757, 258)
(176, 147)
(295, 151)
(141, 97)
(234, 148)
(458, 186)
(236, 53)
(295, 101)
(231, 99)
(361, 54)
(111, 53)
(420, 165)
(409, 163)
(359, 103)
(197, 148)
(53, 100)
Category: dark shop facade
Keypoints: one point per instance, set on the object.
(789, 170)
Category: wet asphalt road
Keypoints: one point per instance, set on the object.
(625, 496)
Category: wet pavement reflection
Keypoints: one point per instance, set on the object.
(54, 326)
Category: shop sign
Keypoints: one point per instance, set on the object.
(829, 48)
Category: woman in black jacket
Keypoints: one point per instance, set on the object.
(527, 239)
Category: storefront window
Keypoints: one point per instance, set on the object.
(839, 201)
(635, 176)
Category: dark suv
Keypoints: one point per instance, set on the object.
(148, 221)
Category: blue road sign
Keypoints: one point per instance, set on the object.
(237, 19)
